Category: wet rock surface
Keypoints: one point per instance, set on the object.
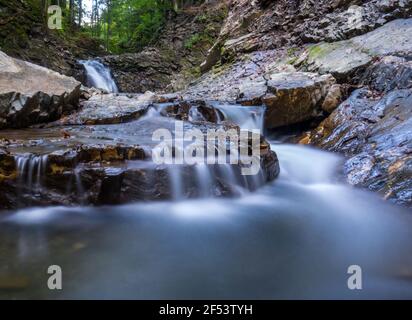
(374, 132)
(109, 109)
(30, 94)
(289, 84)
(373, 128)
(389, 73)
(295, 97)
(289, 96)
(112, 164)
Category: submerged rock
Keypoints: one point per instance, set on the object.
(30, 94)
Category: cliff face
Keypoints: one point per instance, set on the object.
(222, 32)
(304, 59)
(265, 25)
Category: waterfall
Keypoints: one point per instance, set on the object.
(176, 182)
(204, 180)
(195, 115)
(248, 118)
(30, 169)
(79, 184)
(99, 76)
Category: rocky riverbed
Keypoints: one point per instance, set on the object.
(102, 153)
(360, 85)
(326, 84)
(339, 71)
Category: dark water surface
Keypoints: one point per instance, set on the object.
(295, 238)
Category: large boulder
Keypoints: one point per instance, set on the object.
(110, 109)
(31, 94)
(347, 59)
(267, 79)
(295, 97)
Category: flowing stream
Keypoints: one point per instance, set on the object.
(294, 238)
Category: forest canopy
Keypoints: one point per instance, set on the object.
(120, 25)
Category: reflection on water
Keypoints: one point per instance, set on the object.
(295, 238)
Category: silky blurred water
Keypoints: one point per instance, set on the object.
(99, 76)
(294, 238)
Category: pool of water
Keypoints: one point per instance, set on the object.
(294, 238)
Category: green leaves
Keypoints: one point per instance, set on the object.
(128, 25)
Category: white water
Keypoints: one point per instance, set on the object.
(204, 179)
(247, 117)
(30, 169)
(176, 183)
(294, 238)
(99, 76)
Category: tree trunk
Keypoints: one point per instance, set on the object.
(109, 21)
(80, 12)
(71, 13)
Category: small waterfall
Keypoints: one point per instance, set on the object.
(204, 180)
(228, 173)
(196, 115)
(248, 118)
(79, 184)
(31, 169)
(156, 110)
(176, 182)
(99, 76)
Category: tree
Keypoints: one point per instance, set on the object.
(108, 22)
(80, 12)
(71, 13)
(127, 25)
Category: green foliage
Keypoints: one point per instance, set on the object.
(198, 39)
(202, 18)
(192, 41)
(129, 25)
(119, 25)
